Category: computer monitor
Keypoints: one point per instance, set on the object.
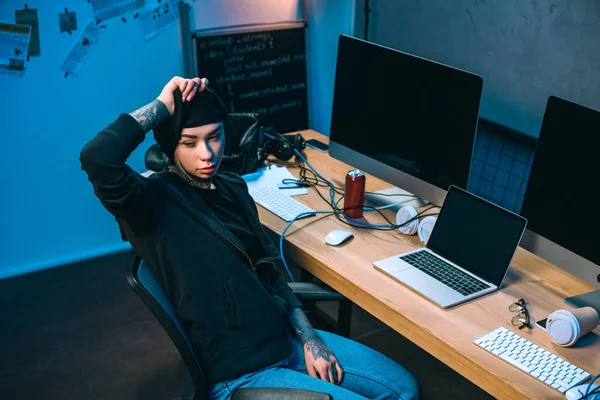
(560, 197)
(405, 119)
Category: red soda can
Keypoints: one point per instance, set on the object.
(354, 193)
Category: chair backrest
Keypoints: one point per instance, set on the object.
(148, 289)
(244, 133)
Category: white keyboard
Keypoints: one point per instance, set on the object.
(278, 203)
(533, 359)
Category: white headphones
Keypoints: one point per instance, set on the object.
(423, 227)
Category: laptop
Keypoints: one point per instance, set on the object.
(467, 255)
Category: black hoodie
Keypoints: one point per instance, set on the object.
(234, 310)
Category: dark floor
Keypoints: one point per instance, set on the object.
(79, 332)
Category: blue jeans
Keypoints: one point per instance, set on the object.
(367, 374)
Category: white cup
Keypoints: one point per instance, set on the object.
(566, 327)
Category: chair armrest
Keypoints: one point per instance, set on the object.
(314, 292)
(278, 394)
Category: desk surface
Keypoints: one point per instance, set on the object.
(446, 334)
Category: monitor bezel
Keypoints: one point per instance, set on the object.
(551, 251)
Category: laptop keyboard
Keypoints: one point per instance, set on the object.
(444, 272)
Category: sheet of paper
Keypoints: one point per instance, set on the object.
(105, 10)
(160, 18)
(273, 175)
(14, 42)
(67, 21)
(83, 46)
(29, 16)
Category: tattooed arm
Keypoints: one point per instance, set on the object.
(151, 115)
(123, 192)
(301, 327)
(163, 107)
(320, 360)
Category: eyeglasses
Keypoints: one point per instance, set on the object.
(521, 320)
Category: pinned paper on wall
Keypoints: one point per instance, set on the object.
(83, 46)
(29, 16)
(159, 19)
(14, 43)
(105, 10)
(67, 21)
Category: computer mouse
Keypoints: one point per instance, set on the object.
(578, 392)
(338, 236)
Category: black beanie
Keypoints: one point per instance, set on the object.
(206, 108)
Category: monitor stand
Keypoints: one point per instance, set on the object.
(379, 201)
(590, 299)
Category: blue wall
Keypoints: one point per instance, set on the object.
(326, 21)
(526, 50)
(49, 213)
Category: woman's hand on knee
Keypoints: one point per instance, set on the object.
(321, 363)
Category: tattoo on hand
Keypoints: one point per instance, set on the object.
(151, 114)
(318, 349)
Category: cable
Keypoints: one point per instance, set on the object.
(311, 214)
(587, 390)
(332, 188)
(314, 213)
(590, 394)
(304, 182)
(304, 214)
(366, 208)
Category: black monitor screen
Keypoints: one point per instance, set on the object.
(477, 235)
(562, 189)
(415, 115)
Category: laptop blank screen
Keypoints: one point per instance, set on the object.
(477, 235)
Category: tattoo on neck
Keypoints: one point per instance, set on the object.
(150, 115)
(191, 180)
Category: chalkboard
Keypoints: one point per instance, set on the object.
(261, 69)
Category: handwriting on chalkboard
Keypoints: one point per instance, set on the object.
(273, 90)
(277, 107)
(244, 76)
(262, 72)
(228, 43)
(239, 68)
(240, 63)
(247, 43)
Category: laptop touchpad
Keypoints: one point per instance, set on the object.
(393, 265)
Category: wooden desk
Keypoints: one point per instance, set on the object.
(446, 334)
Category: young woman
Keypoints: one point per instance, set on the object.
(199, 232)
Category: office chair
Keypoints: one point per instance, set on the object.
(242, 130)
(195, 387)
